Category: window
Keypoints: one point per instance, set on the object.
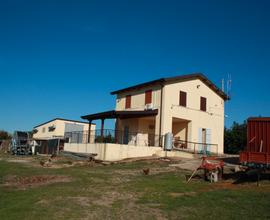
(148, 97)
(43, 130)
(128, 101)
(183, 99)
(203, 104)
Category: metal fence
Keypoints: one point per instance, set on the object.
(137, 139)
(195, 147)
(114, 136)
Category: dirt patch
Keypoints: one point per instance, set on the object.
(108, 198)
(136, 211)
(155, 171)
(183, 194)
(152, 171)
(187, 164)
(60, 162)
(230, 185)
(33, 181)
(117, 180)
(149, 160)
(18, 161)
(225, 185)
(128, 207)
(81, 200)
(43, 202)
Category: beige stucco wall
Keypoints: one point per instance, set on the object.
(138, 103)
(115, 152)
(142, 125)
(132, 123)
(138, 99)
(59, 129)
(212, 119)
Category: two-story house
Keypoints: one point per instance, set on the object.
(190, 107)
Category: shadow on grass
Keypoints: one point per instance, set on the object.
(247, 177)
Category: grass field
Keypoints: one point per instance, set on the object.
(122, 191)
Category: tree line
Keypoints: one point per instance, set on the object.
(235, 138)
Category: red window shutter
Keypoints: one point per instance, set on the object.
(183, 99)
(148, 96)
(203, 104)
(128, 101)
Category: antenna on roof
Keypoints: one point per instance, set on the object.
(228, 90)
(229, 85)
(222, 84)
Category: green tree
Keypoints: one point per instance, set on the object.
(4, 135)
(235, 138)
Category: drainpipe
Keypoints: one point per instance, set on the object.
(160, 114)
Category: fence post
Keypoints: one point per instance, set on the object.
(102, 127)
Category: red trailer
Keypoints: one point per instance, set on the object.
(257, 153)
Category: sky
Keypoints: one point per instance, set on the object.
(63, 58)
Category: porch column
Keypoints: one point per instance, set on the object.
(89, 130)
(102, 127)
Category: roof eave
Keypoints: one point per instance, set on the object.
(200, 76)
(138, 86)
(61, 119)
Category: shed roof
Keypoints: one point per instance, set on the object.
(62, 119)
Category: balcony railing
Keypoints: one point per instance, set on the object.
(195, 147)
(137, 139)
(114, 136)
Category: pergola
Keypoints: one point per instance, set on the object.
(113, 114)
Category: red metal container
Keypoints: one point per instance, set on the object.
(258, 135)
(258, 142)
